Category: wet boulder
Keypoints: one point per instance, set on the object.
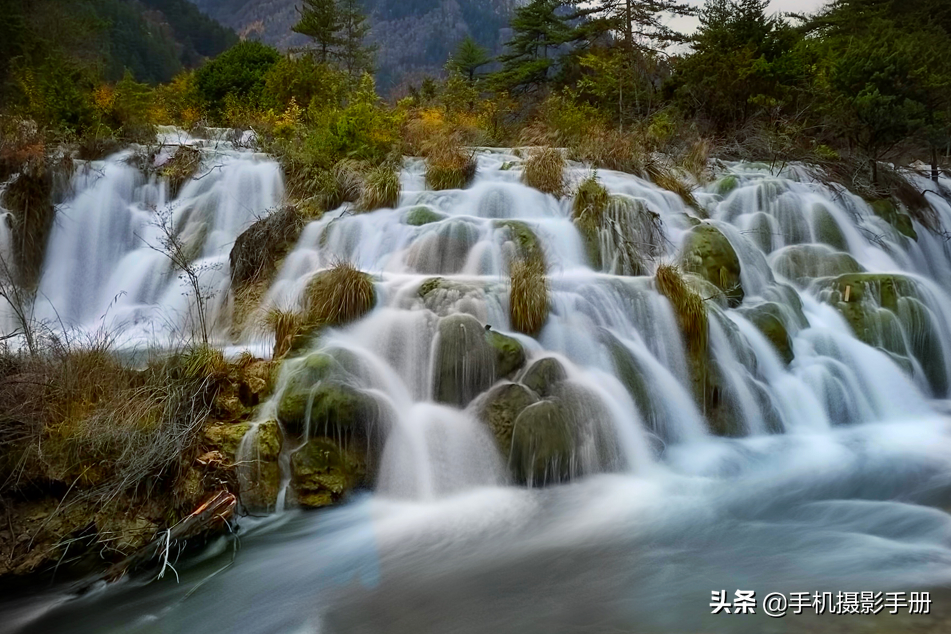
(768, 319)
(543, 444)
(826, 230)
(708, 253)
(543, 376)
(501, 407)
(469, 359)
(803, 262)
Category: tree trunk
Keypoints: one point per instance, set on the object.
(628, 26)
(874, 173)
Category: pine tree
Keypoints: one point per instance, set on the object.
(356, 56)
(539, 28)
(320, 20)
(469, 58)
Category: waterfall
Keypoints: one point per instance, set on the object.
(815, 424)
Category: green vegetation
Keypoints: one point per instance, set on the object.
(381, 188)
(449, 166)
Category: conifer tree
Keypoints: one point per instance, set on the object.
(320, 20)
(469, 57)
(539, 28)
(356, 56)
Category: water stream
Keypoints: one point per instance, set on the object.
(836, 477)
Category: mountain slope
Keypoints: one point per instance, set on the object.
(415, 36)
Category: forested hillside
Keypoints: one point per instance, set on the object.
(154, 39)
(414, 36)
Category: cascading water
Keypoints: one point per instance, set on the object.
(831, 358)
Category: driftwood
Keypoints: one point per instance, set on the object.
(209, 516)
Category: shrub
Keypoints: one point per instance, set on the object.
(240, 72)
(611, 149)
(287, 326)
(529, 303)
(339, 295)
(545, 171)
(381, 188)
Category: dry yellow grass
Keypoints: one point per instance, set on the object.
(545, 171)
(529, 302)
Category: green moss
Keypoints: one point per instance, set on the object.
(422, 215)
(323, 472)
(529, 247)
(509, 354)
(826, 229)
(886, 210)
(708, 253)
(501, 409)
(337, 410)
(260, 477)
(727, 184)
(226, 438)
(768, 319)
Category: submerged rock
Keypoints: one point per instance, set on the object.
(509, 353)
(543, 445)
(768, 319)
(422, 215)
(826, 229)
(803, 262)
(708, 253)
(886, 210)
(890, 311)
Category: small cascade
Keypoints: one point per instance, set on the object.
(120, 243)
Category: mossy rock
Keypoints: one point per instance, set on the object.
(768, 319)
(543, 445)
(887, 211)
(443, 248)
(803, 262)
(446, 296)
(544, 375)
(259, 475)
(226, 438)
(708, 253)
(726, 185)
(422, 215)
(826, 230)
(464, 362)
(886, 311)
(509, 353)
(527, 243)
(501, 408)
(468, 359)
(323, 472)
(337, 409)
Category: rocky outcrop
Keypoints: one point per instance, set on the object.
(324, 471)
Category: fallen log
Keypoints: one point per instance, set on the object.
(209, 516)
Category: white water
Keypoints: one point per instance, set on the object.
(834, 500)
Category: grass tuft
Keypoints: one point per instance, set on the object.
(545, 171)
(529, 304)
(665, 178)
(688, 306)
(181, 168)
(591, 200)
(339, 295)
(287, 325)
(256, 252)
(381, 188)
(449, 165)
